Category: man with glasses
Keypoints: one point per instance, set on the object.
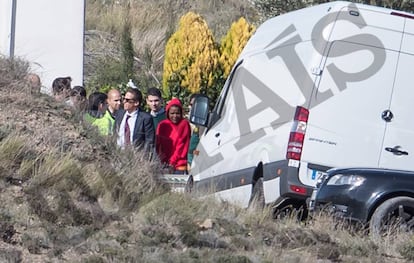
(134, 126)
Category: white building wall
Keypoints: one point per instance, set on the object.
(49, 34)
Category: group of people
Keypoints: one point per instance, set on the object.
(163, 130)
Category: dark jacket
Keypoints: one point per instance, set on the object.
(143, 133)
(161, 115)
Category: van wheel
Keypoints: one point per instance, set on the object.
(257, 199)
(395, 214)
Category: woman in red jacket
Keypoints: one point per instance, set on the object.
(173, 138)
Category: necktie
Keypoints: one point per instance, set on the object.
(127, 132)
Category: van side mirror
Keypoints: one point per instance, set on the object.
(199, 110)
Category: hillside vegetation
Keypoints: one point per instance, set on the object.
(152, 24)
(69, 195)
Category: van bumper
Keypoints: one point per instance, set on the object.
(291, 189)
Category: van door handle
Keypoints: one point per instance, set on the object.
(396, 150)
(217, 135)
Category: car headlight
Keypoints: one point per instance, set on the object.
(346, 179)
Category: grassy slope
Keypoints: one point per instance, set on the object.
(69, 195)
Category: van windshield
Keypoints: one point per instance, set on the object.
(218, 107)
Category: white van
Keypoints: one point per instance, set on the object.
(322, 87)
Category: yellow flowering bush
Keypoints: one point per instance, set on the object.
(191, 57)
(233, 43)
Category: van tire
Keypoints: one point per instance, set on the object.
(394, 214)
(257, 199)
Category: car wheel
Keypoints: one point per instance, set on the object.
(395, 214)
(257, 199)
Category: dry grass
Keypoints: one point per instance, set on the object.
(163, 15)
(12, 151)
(12, 72)
(68, 194)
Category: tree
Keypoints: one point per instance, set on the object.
(114, 71)
(404, 5)
(191, 62)
(127, 49)
(271, 8)
(233, 43)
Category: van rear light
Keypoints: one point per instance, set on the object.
(298, 189)
(297, 134)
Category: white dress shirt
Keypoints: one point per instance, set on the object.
(131, 122)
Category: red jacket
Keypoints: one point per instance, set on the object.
(173, 140)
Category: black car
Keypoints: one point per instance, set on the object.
(378, 198)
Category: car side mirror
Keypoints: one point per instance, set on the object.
(199, 110)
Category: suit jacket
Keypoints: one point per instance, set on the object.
(143, 135)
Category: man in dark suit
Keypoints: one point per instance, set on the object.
(133, 126)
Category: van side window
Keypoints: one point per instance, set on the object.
(218, 107)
